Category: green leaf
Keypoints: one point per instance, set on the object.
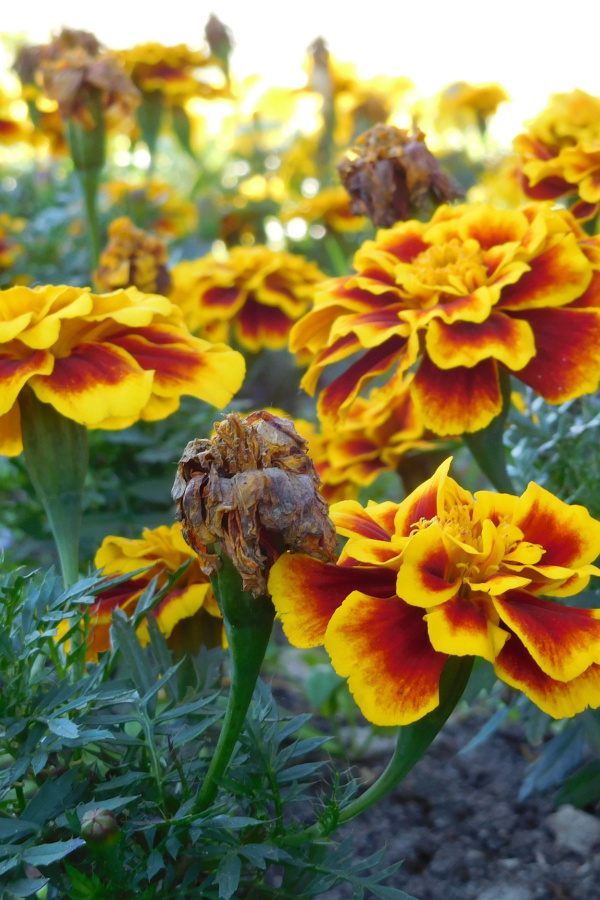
(26, 887)
(228, 875)
(44, 854)
(63, 727)
(582, 788)
(15, 828)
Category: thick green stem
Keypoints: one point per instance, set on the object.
(89, 182)
(413, 741)
(149, 116)
(248, 623)
(487, 446)
(56, 455)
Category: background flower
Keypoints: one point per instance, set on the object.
(104, 360)
(133, 258)
(473, 289)
(560, 152)
(447, 573)
(258, 292)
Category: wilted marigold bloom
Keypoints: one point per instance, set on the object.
(161, 552)
(257, 292)
(153, 205)
(462, 104)
(446, 573)
(391, 176)
(133, 258)
(473, 289)
(171, 71)
(104, 360)
(252, 488)
(560, 152)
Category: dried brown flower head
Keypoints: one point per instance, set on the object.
(253, 488)
(391, 176)
(133, 258)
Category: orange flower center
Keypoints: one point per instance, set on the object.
(457, 265)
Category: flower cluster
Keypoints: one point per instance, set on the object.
(446, 573)
(474, 289)
(171, 71)
(104, 360)
(560, 152)
(255, 292)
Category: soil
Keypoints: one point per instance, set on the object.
(457, 823)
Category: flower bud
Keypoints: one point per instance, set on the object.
(252, 488)
(99, 826)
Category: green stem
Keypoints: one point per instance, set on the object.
(413, 740)
(487, 445)
(56, 456)
(89, 182)
(88, 148)
(248, 622)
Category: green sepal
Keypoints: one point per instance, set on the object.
(487, 445)
(56, 455)
(248, 623)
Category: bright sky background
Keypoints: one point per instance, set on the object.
(533, 47)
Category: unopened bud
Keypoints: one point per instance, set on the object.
(99, 826)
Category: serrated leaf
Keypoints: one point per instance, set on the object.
(559, 757)
(44, 854)
(154, 865)
(228, 875)
(15, 828)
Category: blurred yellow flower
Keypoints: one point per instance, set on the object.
(560, 152)
(500, 184)
(331, 206)
(460, 105)
(172, 71)
(258, 292)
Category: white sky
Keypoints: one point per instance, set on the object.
(533, 47)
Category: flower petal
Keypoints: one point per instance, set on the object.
(558, 276)
(306, 593)
(517, 668)
(94, 383)
(382, 647)
(423, 502)
(510, 341)
(463, 627)
(11, 443)
(345, 387)
(452, 401)
(567, 362)
(423, 579)
(15, 373)
(568, 534)
(564, 641)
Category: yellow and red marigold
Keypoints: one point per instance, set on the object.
(474, 289)
(104, 360)
(153, 205)
(257, 292)
(445, 573)
(560, 152)
(171, 71)
(161, 552)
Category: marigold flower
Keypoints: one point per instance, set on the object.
(462, 104)
(473, 289)
(253, 488)
(560, 153)
(9, 248)
(133, 258)
(258, 292)
(391, 176)
(161, 551)
(445, 573)
(172, 71)
(104, 360)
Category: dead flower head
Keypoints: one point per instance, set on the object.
(391, 176)
(253, 488)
